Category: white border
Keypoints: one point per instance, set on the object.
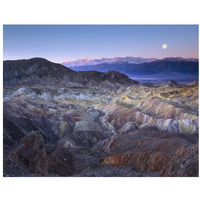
(97, 12)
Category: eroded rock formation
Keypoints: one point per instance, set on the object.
(58, 122)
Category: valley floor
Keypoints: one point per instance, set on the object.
(101, 131)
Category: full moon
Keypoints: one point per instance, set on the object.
(164, 46)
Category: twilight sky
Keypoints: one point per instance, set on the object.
(60, 43)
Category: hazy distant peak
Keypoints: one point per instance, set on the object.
(90, 61)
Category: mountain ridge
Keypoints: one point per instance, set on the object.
(180, 68)
(41, 71)
(89, 61)
(128, 59)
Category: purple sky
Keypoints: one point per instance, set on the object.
(60, 43)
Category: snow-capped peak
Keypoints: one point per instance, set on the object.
(90, 61)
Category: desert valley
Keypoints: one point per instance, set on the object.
(62, 122)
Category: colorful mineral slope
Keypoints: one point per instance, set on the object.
(171, 109)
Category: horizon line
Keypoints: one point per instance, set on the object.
(101, 58)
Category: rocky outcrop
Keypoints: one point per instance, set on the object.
(129, 126)
(87, 126)
(87, 138)
(148, 141)
(146, 150)
(142, 161)
(28, 156)
(61, 162)
(73, 155)
(184, 163)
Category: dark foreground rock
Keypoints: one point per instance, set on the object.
(28, 156)
(184, 163)
(153, 150)
(61, 162)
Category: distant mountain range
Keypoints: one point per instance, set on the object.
(119, 60)
(172, 68)
(89, 61)
(38, 70)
